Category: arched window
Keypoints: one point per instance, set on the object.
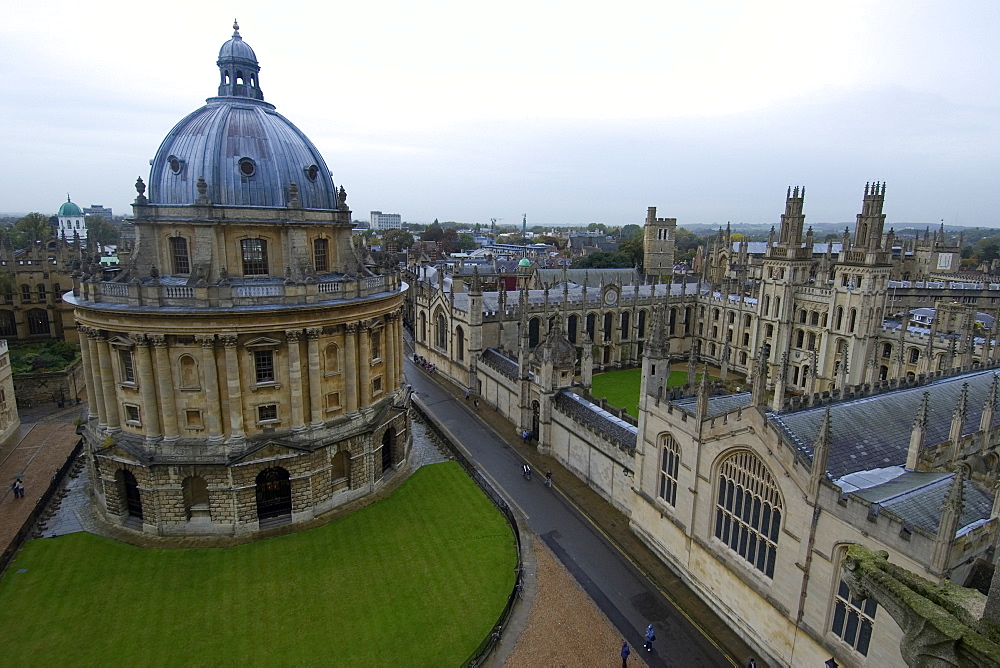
(853, 618)
(814, 318)
(802, 316)
(715, 314)
(460, 344)
(746, 320)
(189, 371)
(748, 510)
(766, 305)
(38, 321)
(25, 292)
(7, 325)
(732, 317)
(672, 321)
(799, 338)
(423, 327)
(777, 306)
(254, 257)
(320, 261)
(838, 319)
(670, 457)
(441, 333)
(571, 328)
(534, 325)
(914, 355)
(768, 331)
(179, 255)
(813, 341)
(625, 322)
(607, 327)
(852, 321)
(886, 350)
(642, 324)
(331, 359)
(591, 324)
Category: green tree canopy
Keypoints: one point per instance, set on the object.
(33, 227)
(604, 260)
(433, 232)
(630, 232)
(466, 242)
(101, 231)
(401, 239)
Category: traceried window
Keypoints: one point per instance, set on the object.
(748, 510)
(853, 619)
(38, 321)
(441, 333)
(670, 457)
(128, 369)
(254, 257)
(263, 364)
(320, 255)
(179, 254)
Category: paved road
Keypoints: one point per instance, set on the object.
(628, 598)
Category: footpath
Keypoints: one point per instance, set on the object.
(38, 450)
(614, 525)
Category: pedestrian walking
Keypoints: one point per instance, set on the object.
(18, 487)
(475, 404)
(625, 653)
(649, 637)
(752, 663)
(468, 393)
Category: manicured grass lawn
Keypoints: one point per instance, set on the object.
(418, 579)
(621, 388)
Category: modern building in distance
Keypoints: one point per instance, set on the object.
(386, 221)
(71, 222)
(98, 210)
(244, 369)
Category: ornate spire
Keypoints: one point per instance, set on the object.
(821, 454)
(658, 344)
(958, 416)
(917, 433)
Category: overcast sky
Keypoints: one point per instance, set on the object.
(571, 112)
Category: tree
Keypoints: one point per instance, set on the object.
(449, 240)
(401, 239)
(630, 232)
(466, 242)
(433, 232)
(101, 230)
(604, 260)
(597, 227)
(30, 229)
(633, 249)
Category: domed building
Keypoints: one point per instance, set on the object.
(71, 222)
(244, 369)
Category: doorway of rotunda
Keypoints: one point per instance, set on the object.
(388, 438)
(129, 490)
(274, 497)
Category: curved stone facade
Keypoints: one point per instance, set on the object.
(244, 369)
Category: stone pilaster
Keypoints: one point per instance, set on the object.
(389, 352)
(295, 380)
(88, 371)
(150, 409)
(351, 367)
(365, 365)
(236, 434)
(97, 401)
(165, 384)
(213, 415)
(111, 414)
(316, 406)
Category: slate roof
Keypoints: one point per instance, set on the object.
(593, 416)
(716, 405)
(491, 300)
(874, 432)
(917, 498)
(493, 358)
(593, 277)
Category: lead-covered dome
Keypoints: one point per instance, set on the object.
(69, 209)
(248, 154)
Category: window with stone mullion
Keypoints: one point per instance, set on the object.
(853, 619)
(669, 464)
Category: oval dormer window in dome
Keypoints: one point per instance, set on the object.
(175, 164)
(247, 167)
(312, 171)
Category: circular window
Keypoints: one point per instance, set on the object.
(175, 164)
(247, 167)
(312, 171)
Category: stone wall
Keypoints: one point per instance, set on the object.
(42, 388)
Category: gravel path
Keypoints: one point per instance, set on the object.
(564, 627)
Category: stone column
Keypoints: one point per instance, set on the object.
(295, 380)
(211, 371)
(351, 367)
(165, 384)
(88, 371)
(389, 352)
(236, 435)
(365, 365)
(150, 409)
(97, 401)
(108, 382)
(316, 405)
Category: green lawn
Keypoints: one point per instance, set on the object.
(417, 579)
(621, 388)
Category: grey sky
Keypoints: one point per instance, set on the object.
(572, 112)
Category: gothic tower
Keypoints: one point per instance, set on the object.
(659, 236)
